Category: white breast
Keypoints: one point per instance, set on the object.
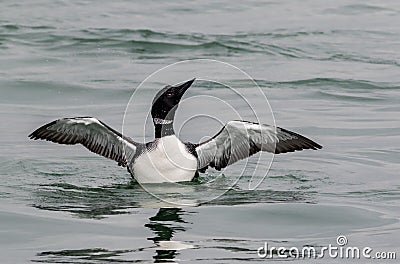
(169, 161)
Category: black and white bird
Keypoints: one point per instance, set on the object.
(167, 158)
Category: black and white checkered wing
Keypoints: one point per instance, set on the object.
(238, 140)
(91, 133)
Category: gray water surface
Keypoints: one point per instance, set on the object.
(331, 71)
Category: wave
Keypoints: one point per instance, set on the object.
(15, 27)
(23, 93)
(103, 201)
(40, 87)
(150, 44)
(148, 41)
(353, 9)
(358, 58)
(341, 83)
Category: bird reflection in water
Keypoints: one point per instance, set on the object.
(165, 224)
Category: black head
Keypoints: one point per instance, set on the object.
(167, 100)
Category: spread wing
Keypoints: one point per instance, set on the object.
(240, 139)
(91, 133)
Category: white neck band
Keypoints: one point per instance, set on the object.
(159, 121)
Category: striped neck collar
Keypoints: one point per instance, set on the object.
(159, 121)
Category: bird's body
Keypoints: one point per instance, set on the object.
(167, 158)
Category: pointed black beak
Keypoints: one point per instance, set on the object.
(183, 87)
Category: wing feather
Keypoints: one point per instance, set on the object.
(91, 133)
(238, 140)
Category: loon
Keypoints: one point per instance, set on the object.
(167, 158)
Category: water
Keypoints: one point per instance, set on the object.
(330, 71)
